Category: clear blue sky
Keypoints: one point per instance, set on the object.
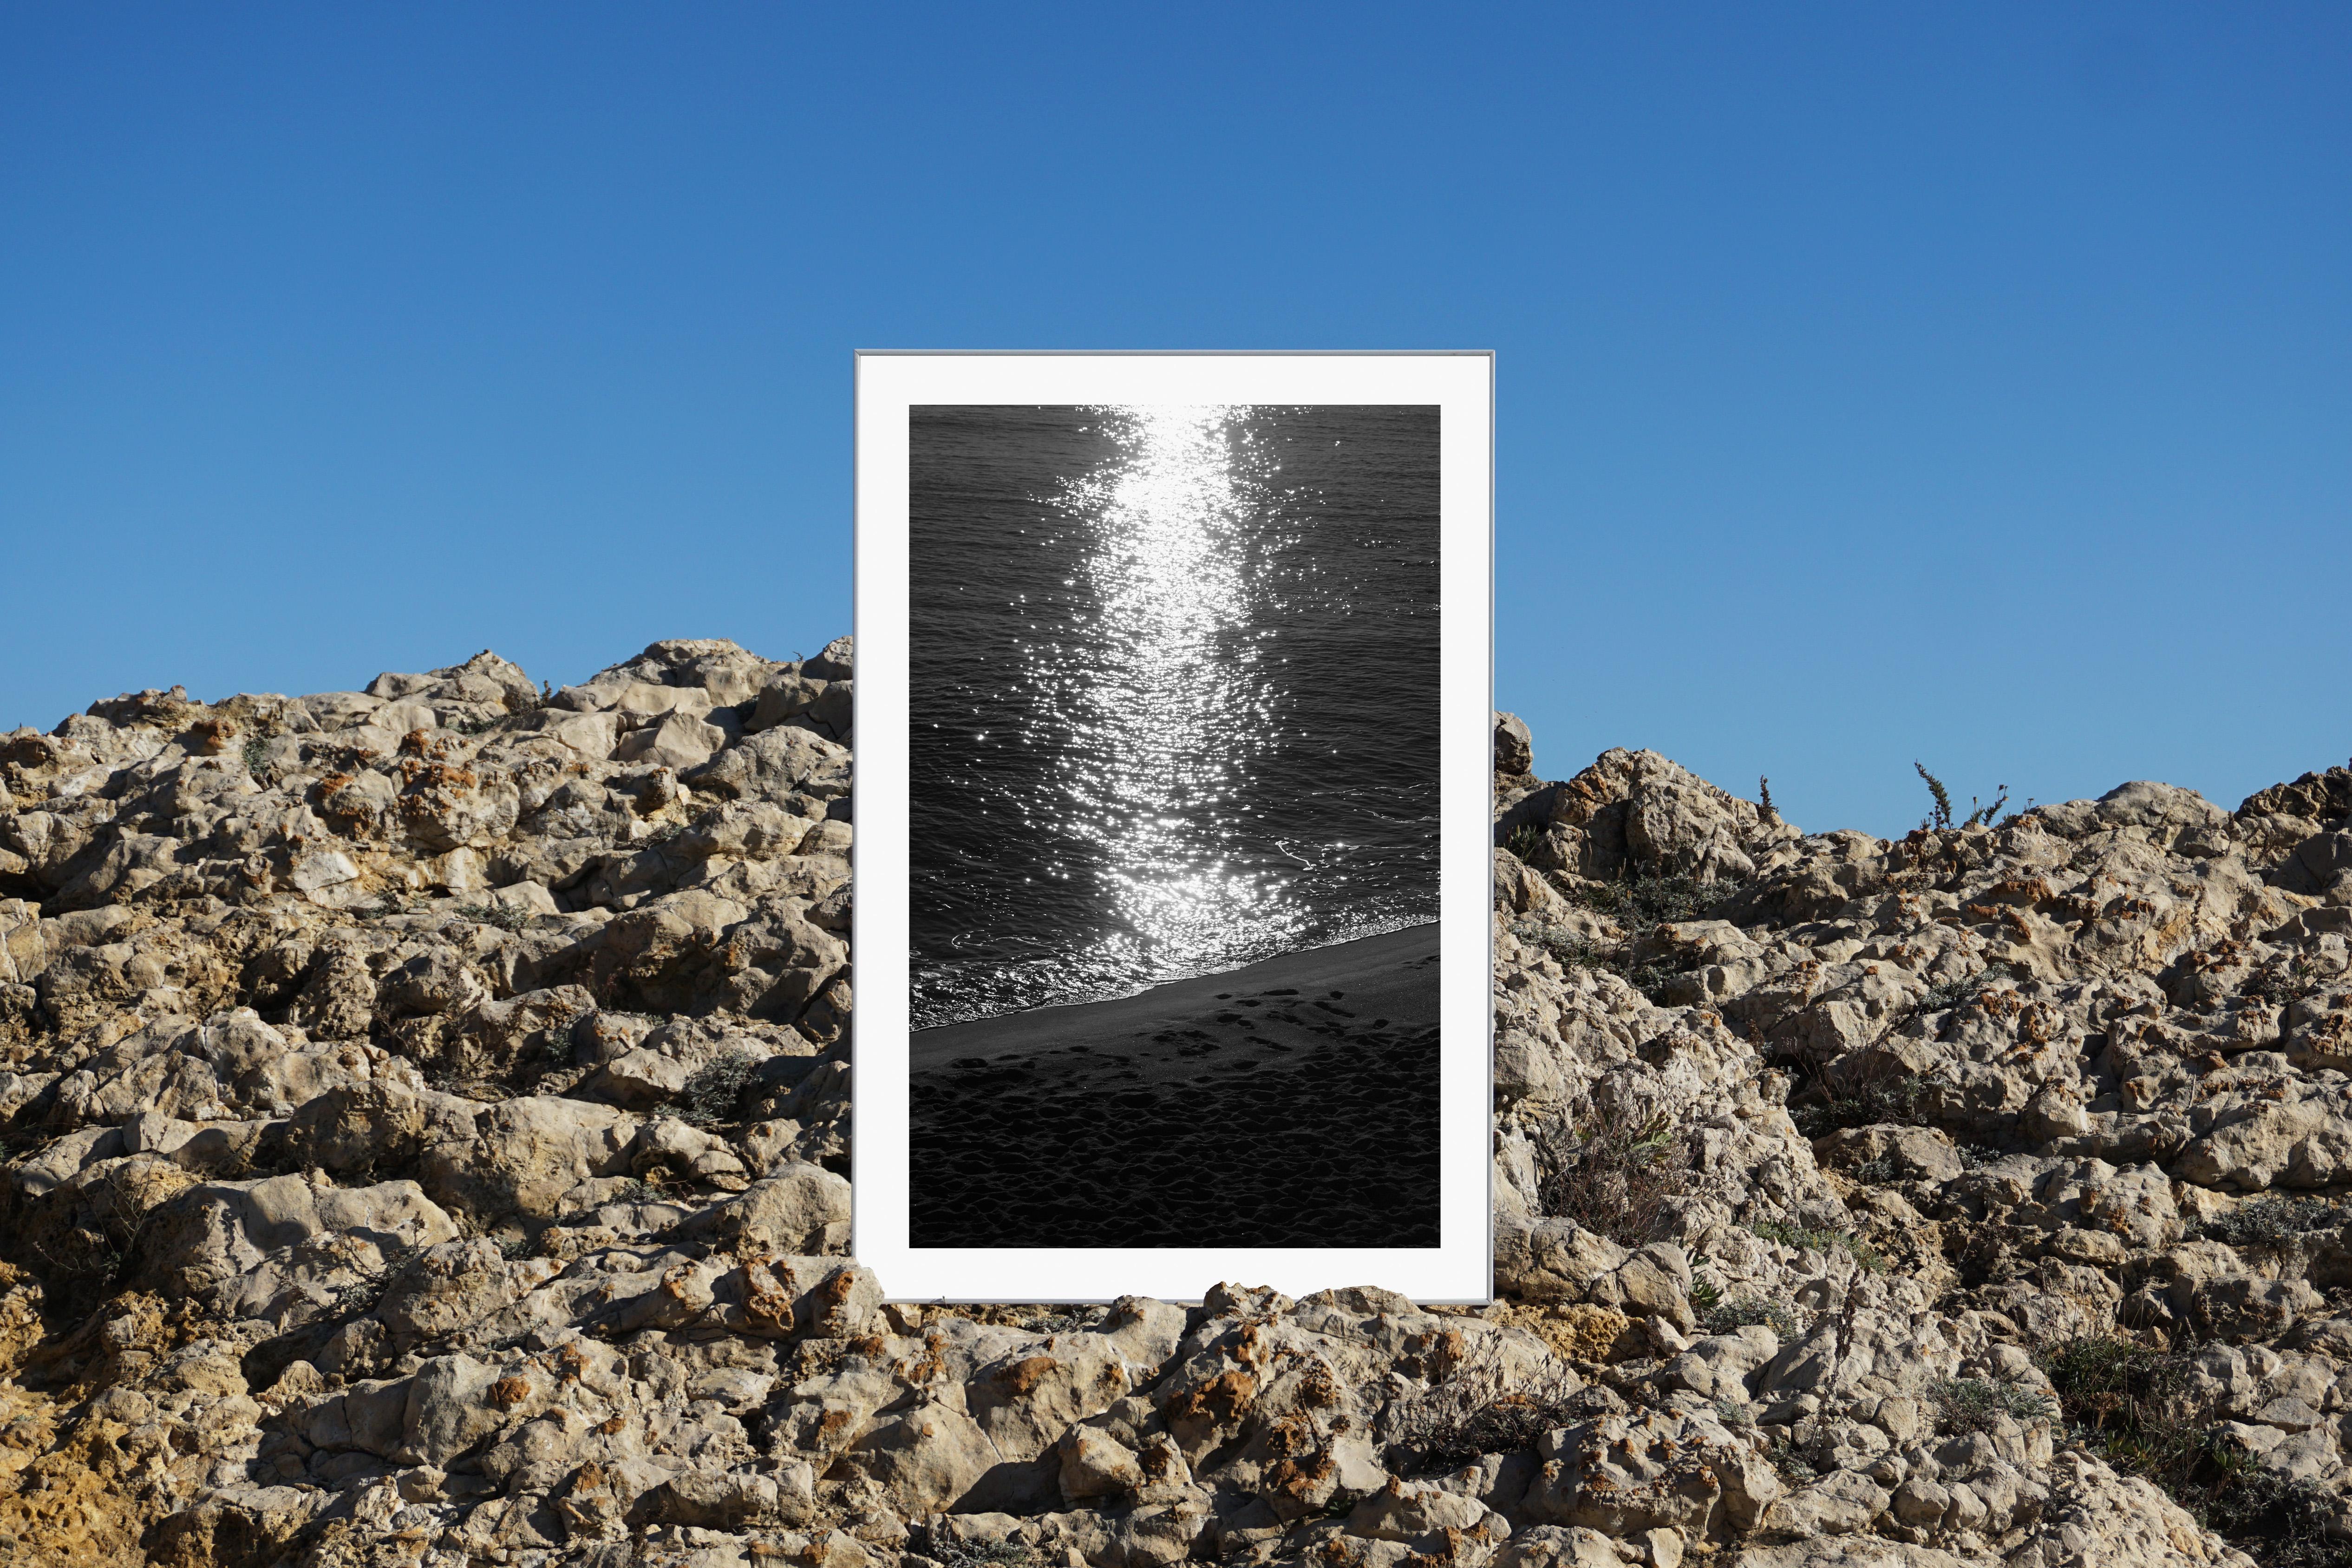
(1966, 383)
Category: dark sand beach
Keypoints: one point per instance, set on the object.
(1289, 1103)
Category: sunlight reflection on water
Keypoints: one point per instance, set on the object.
(1172, 690)
(1172, 702)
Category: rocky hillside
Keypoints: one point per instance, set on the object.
(426, 1139)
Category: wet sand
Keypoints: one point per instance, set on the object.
(1290, 1103)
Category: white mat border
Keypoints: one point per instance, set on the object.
(887, 384)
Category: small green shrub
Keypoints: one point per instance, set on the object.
(1640, 901)
(1940, 815)
(1858, 1087)
(1579, 953)
(2279, 1521)
(2270, 1222)
(2282, 983)
(1524, 839)
(1948, 994)
(1789, 1234)
(1983, 815)
(2129, 1404)
(1879, 1091)
(712, 1094)
(949, 1552)
(1477, 1409)
(1742, 1311)
(506, 917)
(255, 753)
(1789, 1461)
(1878, 1171)
(1971, 1403)
(2125, 1399)
(1943, 996)
(1616, 1179)
(1570, 949)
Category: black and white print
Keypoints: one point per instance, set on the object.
(1173, 826)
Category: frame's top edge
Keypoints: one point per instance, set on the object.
(1172, 353)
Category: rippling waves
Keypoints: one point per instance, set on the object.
(1174, 692)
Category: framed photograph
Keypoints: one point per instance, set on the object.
(1173, 848)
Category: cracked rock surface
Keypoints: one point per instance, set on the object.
(426, 1118)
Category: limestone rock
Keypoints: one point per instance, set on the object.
(426, 1111)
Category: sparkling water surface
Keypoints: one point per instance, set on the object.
(1174, 692)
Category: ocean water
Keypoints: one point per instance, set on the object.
(1174, 692)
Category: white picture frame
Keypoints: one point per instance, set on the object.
(888, 385)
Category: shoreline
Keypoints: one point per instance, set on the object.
(1290, 1102)
(1369, 970)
